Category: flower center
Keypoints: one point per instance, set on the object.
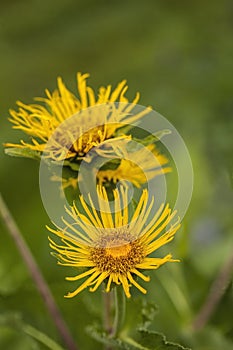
(66, 142)
(117, 253)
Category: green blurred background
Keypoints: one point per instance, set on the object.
(179, 55)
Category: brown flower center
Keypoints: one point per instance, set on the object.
(117, 252)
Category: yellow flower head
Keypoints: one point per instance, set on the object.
(114, 247)
(41, 120)
(138, 167)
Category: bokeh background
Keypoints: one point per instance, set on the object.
(179, 55)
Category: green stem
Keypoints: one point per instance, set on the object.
(119, 310)
(41, 337)
(107, 307)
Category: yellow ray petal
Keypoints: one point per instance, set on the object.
(135, 283)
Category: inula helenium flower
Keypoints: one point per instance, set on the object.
(114, 247)
(41, 120)
(137, 167)
(60, 137)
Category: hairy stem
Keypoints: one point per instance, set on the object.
(119, 310)
(107, 319)
(36, 275)
(107, 306)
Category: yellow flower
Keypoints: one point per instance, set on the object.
(136, 166)
(143, 167)
(41, 120)
(114, 247)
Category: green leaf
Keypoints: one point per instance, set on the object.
(153, 137)
(111, 165)
(156, 341)
(67, 163)
(144, 340)
(102, 337)
(71, 163)
(139, 137)
(149, 310)
(139, 313)
(124, 130)
(12, 339)
(15, 321)
(134, 336)
(159, 134)
(41, 337)
(23, 152)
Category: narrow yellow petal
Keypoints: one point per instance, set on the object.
(93, 219)
(144, 291)
(141, 205)
(82, 275)
(99, 279)
(144, 216)
(150, 234)
(82, 88)
(115, 94)
(91, 96)
(139, 274)
(105, 211)
(153, 222)
(164, 239)
(109, 283)
(125, 285)
(155, 263)
(83, 286)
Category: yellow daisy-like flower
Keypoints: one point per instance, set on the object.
(114, 247)
(142, 168)
(41, 120)
(137, 166)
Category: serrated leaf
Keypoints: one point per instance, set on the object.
(144, 340)
(149, 310)
(104, 338)
(139, 313)
(156, 341)
(23, 153)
